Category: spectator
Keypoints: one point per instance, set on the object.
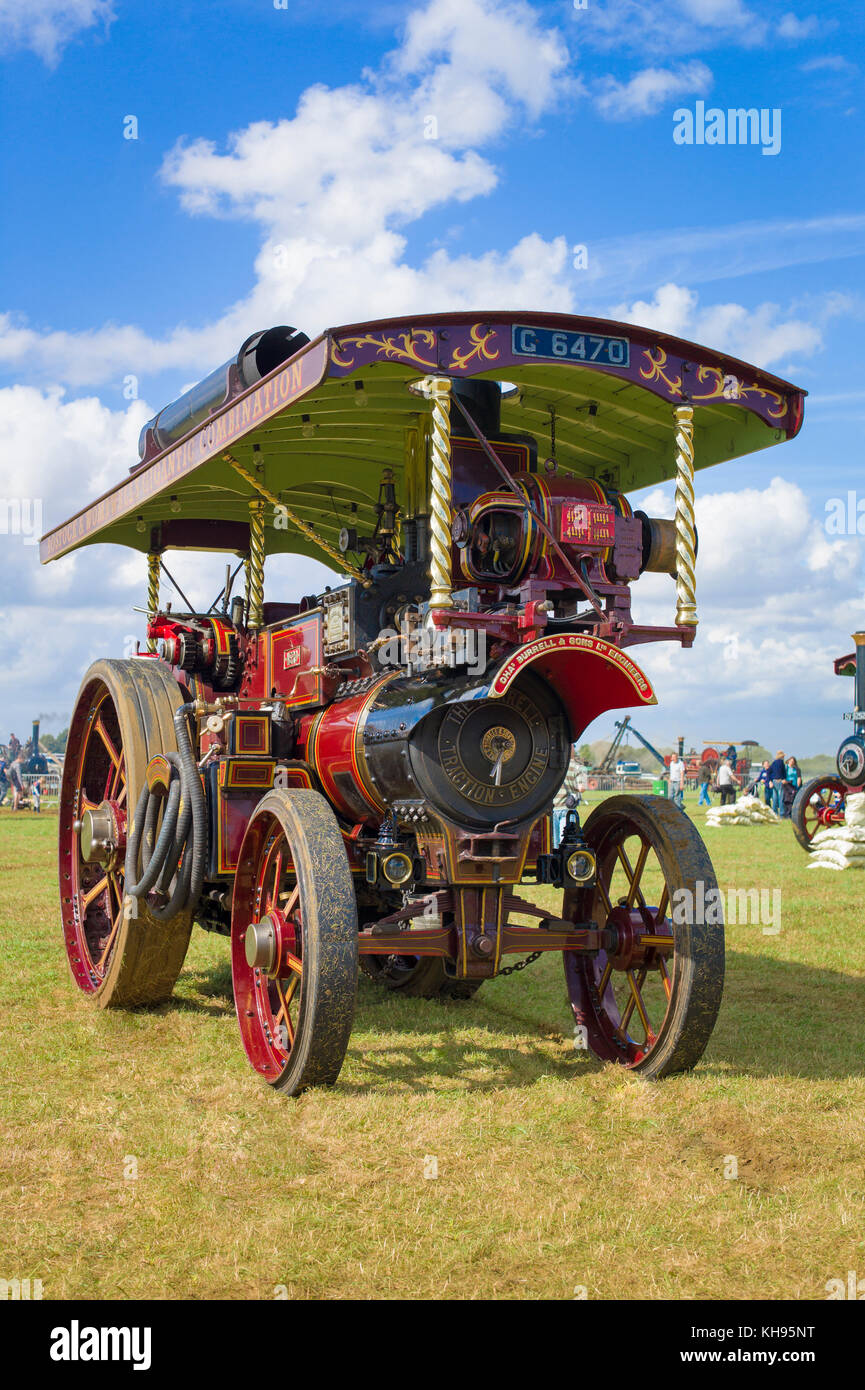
(14, 748)
(727, 783)
(677, 781)
(16, 784)
(4, 781)
(704, 777)
(777, 779)
(36, 795)
(762, 783)
(794, 774)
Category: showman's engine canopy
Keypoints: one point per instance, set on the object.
(365, 776)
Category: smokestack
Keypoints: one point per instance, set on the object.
(259, 355)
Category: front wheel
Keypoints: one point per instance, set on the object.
(294, 954)
(818, 804)
(650, 1000)
(124, 715)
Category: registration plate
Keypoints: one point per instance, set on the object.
(562, 345)
(588, 523)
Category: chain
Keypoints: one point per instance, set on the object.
(302, 526)
(521, 964)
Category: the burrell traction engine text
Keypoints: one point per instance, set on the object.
(365, 776)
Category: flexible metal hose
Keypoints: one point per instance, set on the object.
(182, 838)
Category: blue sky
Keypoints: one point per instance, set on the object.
(280, 175)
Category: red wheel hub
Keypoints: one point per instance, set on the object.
(635, 937)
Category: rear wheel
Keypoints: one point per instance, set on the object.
(650, 1001)
(294, 942)
(816, 807)
(124, 715)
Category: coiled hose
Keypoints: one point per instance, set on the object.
(182, 838)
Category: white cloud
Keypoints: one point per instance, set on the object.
(829, 62)
(761, 335)
(460, 47)
(649, 90)
(790, 27)
(777, 600)
(677, 27)
(47, 26)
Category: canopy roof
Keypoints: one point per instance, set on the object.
(320, 428)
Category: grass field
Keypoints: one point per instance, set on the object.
(555, 1174)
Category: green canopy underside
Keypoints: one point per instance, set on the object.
(327, 450)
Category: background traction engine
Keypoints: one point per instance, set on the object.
(363, 778)
(821, 802)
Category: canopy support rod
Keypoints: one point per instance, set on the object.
(686, 584)
(154, 562)
(438, 389)
(295, 520)
(166, 570)
(255, 569)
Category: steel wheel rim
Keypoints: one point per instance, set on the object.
(91, 895)
(269, 1007)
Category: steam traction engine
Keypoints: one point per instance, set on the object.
(365, 775)
(821, 802)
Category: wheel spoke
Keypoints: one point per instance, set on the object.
(604, 896)
(605, 979)
(94, 892)
(106, 739)
(118, 778)
(277, 875)
(293, 895)
(285, 998)
(294, 963)
(661, 911)
(636, 1000)
(665, 977)
(640, 865)
(633, 875)
(110, 942)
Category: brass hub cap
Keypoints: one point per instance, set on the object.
(268, 942)
(101, 833)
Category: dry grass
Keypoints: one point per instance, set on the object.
(553, 1171)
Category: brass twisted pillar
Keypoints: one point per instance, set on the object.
(438, 389)
(686, 584)
(154, 563)
(255, 566)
